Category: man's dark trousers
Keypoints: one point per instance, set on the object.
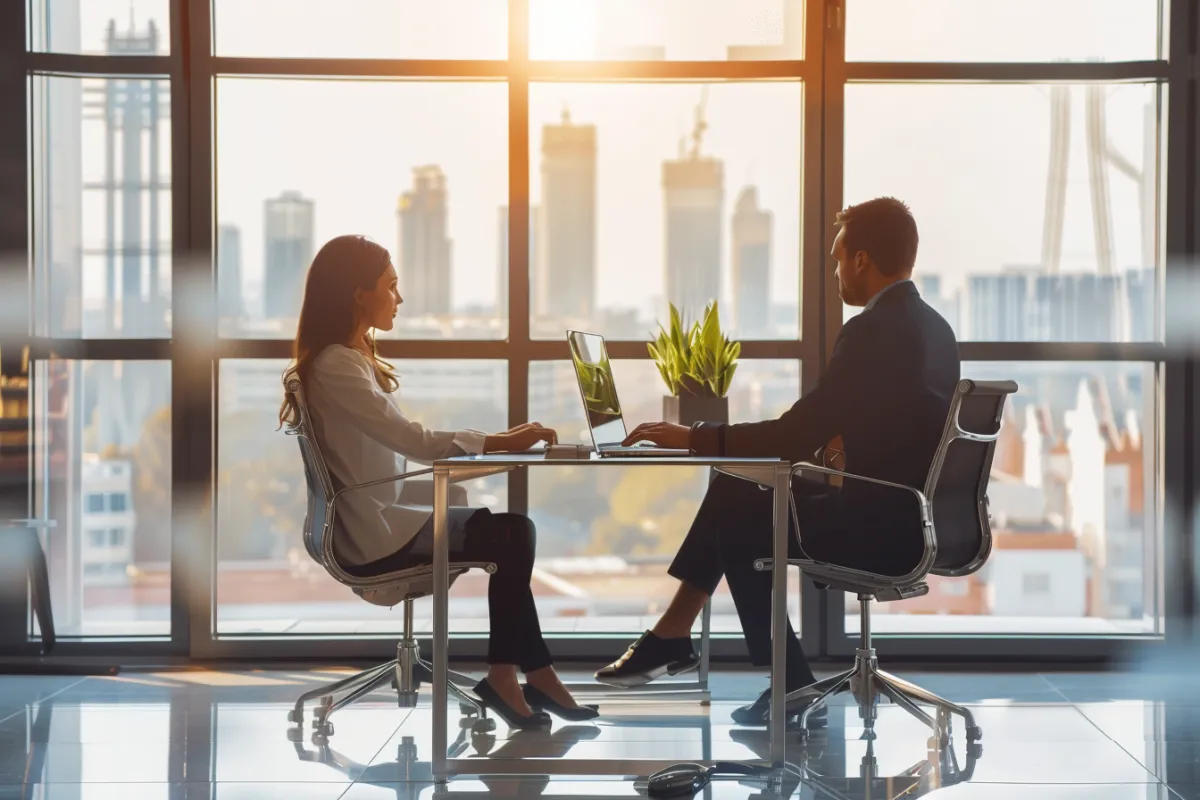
(733, 528)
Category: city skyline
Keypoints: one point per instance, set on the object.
(1123, 26)
(562, 236)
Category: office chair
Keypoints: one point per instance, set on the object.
(405, 672)
(957, 541)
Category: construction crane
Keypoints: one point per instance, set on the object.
(1100, 153)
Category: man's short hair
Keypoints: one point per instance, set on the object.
(885, 229)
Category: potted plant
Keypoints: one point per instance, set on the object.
(697, 363)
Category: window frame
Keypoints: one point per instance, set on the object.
(192, 69)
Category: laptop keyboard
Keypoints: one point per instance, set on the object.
(640, 450)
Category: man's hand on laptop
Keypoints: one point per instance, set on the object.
(663, 434)
(522, 437)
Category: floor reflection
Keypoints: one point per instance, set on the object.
(176, 738)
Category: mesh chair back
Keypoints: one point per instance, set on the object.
(316, 477)
(958, 478)
(386, 589)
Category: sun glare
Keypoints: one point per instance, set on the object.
(563, 30)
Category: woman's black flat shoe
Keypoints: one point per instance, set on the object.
(540, 701)
(492, 699)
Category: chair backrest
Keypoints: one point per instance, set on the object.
(956, 488)
(316, 477)
(386, 589)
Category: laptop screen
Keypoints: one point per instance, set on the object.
(597, 387)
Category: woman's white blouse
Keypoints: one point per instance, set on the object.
(364, 437)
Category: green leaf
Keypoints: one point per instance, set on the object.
(694, 357)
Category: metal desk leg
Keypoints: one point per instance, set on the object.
(705, 647)
(779, 615)
(441, 618)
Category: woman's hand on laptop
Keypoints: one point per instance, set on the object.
(522, 437)
(663, 434)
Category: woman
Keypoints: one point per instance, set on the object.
(351, 292)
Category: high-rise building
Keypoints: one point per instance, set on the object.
(564, 283)
(424, 248)
(751, 265)
(693, 193)
(287, 251)
(134, 112)
(229, 272)
(1077, 307)
(1141, 300)
(535, 214)
(998, 307)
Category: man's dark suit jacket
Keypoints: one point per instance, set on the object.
(886, 392)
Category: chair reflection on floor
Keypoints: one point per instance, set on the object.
(819, 767)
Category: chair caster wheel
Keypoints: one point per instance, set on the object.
(467, 710)
(295, 735)
(296, 716)
(484, 725)
(974, 750)
(974, 733)
(406, 700)
(322, 729)
(320, 740)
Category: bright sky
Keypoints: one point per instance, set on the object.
(971, 160)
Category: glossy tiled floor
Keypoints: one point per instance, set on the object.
(199, 734)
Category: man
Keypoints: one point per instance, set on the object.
(885, 394)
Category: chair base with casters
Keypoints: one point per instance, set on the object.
(405, 674)
(867, 681)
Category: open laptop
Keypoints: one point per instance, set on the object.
(598, 391)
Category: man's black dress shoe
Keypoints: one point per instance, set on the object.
(492, 699)
(758, 712)
(648, 658)
(540, 701)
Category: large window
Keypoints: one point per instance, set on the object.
(629, 214)
(431, 188)
(1038, 187)
(447, 29)
(672, 30)
(102, 472)
(1038, 204)
(539, 165)
(1019, 30)
(101, 211)
(1074, 507)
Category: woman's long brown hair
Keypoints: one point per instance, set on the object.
(329, 314)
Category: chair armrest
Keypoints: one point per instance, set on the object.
(929, 542)
(390, 479)
(803, 466)
(420, 493)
